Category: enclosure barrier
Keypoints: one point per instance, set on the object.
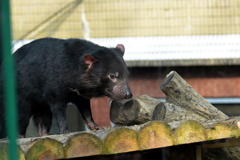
(8, 78)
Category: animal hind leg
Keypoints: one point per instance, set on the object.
(24, 115)
(43, 121)
(24, 118)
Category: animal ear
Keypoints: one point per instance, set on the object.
(89, 60)
(121, 47)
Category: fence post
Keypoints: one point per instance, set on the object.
(8, 79)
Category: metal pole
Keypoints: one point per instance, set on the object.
(8, 79)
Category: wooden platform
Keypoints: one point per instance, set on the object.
(193, 151)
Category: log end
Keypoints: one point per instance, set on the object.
(167, 79)
(121, 140)
(159, 112)
(46, 148)
(189, 132)
(83, 144)
(115, 110)
(155, 134)
(123, 112)
(222, 130)
(4, 152)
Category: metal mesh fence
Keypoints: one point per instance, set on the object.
(125, 18)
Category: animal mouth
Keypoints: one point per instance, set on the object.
(76, 90)
(78, 93)
(113, 96)
(109, 94)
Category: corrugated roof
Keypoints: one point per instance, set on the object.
(175, 50)
(178, 50)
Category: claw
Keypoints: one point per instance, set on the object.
(93, 126)
(66, 132)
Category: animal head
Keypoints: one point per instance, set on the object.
(110, 72)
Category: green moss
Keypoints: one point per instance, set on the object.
(4, 152)
(83, 144)
(45, 149)
(223, 130)
(155, 134)
(121, 140)
(190, 131)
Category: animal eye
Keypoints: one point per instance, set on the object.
(112, 76)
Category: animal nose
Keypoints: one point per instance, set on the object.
(128, 95)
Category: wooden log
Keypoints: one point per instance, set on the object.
(189, 132)
(176, 113)
(155, 134)
(223, 130)
(182, 103)
(180, 93)
(137, 110)
(121, 140)
(46, 149)
(127, 112)
(4, 152)
(83, 144)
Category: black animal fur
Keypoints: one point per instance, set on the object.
(53, 72)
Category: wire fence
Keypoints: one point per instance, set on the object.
(126, 18)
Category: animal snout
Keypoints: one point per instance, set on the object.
(128, 95)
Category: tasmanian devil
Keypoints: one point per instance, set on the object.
(53, 72)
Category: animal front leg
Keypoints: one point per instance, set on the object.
(84, 108)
